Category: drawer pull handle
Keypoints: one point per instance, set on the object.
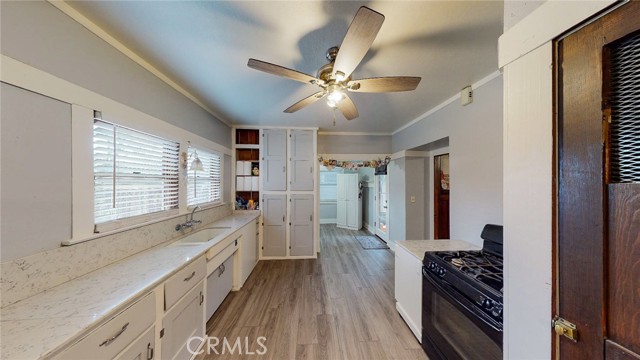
(190, 276)
(114, 337)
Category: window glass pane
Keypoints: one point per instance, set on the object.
(204, 186)
(134, 173)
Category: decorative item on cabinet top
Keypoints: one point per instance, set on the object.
(353, 164)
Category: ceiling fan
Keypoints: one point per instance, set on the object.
(334, 78)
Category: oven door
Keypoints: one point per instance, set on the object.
(453, 327)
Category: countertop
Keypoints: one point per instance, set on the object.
(43, 324)
(417, 248)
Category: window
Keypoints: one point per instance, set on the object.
(204, 186)
(328, 183)
(134, 173)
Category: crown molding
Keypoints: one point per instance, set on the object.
(102, 34)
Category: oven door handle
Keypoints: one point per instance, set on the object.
(446, 293)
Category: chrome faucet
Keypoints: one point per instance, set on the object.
(190, 222)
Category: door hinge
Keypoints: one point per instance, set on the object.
(161, 333)
(149, 352)
(289, 223)
(263, 248)
(201, 298)
(564, 328)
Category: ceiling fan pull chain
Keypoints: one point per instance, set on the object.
(334, 117)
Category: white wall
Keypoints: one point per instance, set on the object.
(40, 35)
(475, 143)
(354, 144)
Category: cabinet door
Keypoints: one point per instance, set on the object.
(274, 155)
(219, 285)
(302, 225)
(274, 210)
(408, 292)
(249, 249)
(182, 323)
(301, 160)
(142, 349)
(352, 214)
(341, 213)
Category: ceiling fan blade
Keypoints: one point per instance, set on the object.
(348, 108)
(306, 101)
(384, 84)
(358, 40)
(282, 71)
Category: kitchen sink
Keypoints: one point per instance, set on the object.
(202, 236)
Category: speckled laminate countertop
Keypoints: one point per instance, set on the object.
(417, 248)
(41, 325)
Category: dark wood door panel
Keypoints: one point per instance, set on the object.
(617, 352)
(624, 266)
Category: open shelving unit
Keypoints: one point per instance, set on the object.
(247, 165)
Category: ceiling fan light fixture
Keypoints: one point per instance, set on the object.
(335, 96)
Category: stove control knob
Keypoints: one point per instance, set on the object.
(441, 272)
(487, 304)
(432, 266)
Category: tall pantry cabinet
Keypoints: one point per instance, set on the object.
(288, 193)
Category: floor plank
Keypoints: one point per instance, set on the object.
(340, 306)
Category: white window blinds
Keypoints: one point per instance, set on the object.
(205, 186)
(134, 173)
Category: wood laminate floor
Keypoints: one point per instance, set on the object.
(340, 306)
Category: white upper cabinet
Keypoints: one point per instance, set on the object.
(301, 160)
(274, 160)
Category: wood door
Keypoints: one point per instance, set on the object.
(301, 225)
(597, 245)
(274, 210)
(301, 160)
(441, 196)
(274, 155)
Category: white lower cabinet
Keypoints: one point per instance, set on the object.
(107, 341)
(408, 287)
(183, 326)
(249, 249)
(142, 349)
(219, 285)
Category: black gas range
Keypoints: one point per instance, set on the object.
(462, 302)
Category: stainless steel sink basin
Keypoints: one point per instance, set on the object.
(202, 236)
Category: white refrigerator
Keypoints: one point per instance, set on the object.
(349, 198)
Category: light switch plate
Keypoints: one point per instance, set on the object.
(413, 199)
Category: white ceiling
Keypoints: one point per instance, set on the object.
(204, 46)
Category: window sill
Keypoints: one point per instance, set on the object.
(71, 242)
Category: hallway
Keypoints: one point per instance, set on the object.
(340, 306)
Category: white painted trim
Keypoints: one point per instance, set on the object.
(354, 157)
(98, 31)
(27, 77)
(474, 86)
(329, 133)
(257, 127)
(369, 228)
(409, 153)
(328, 221)
(82, 173)
(544, 24)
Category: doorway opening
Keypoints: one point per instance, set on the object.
(441, 196)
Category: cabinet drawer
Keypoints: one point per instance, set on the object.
(143, 348)
(218, 258)
(185, 279)
(111, 338)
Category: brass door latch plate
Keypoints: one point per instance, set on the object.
(564, 328)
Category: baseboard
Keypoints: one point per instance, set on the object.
(417, 331)
(328, 221)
